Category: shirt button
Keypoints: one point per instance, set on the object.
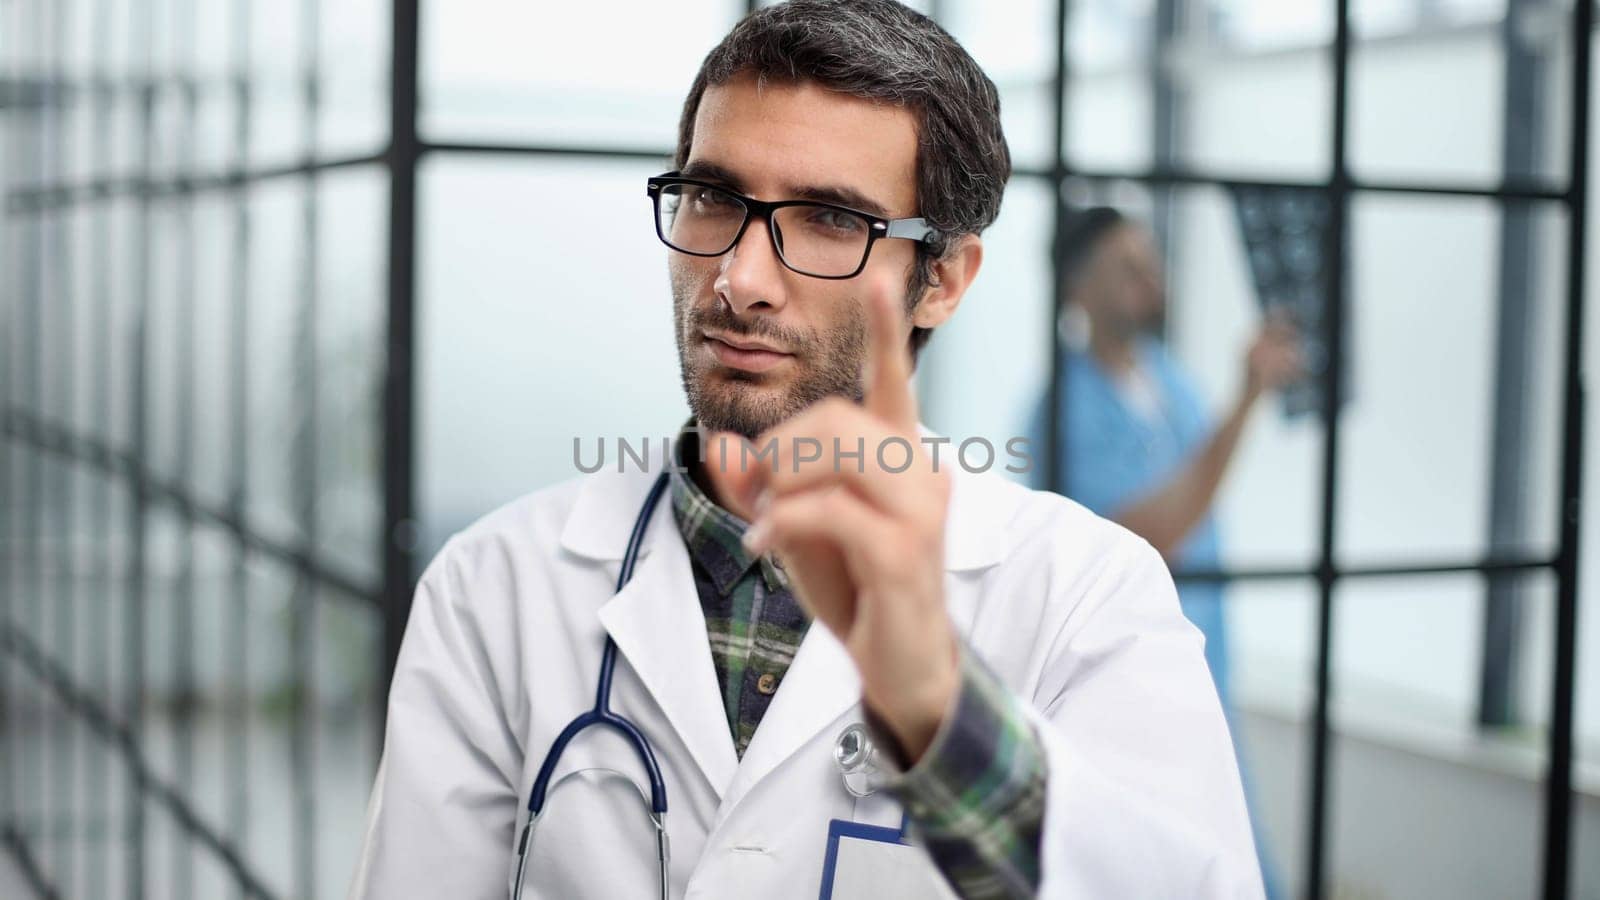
(767, 683)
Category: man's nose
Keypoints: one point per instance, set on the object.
(752, 275)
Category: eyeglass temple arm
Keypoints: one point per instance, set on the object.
(915, 229)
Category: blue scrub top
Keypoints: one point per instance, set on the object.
(1112, 456)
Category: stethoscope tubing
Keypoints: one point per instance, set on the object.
(601, 714)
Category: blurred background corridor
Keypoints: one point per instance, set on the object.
(290, 292)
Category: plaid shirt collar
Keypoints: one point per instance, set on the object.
(713, 534)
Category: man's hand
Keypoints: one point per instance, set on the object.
(1274, 359)
(861, 539)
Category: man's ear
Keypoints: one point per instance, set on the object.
(952, 274)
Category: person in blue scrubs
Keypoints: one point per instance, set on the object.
(1136, 442)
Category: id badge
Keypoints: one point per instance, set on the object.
(873, 862)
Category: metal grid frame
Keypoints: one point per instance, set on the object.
(392, 598)
(114, 716)
(1339, 188)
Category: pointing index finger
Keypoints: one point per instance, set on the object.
(888, 376)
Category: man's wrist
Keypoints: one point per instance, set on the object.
(914, 719)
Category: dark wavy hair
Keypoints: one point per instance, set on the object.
(880, 50)
(1080, 237)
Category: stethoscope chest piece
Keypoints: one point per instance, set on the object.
(857, 758)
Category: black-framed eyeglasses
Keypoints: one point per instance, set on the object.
(822, 240)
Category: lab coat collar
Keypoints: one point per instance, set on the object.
(609, 501)
(602, 516)
(657, 623)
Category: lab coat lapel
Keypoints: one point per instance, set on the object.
(657, 623)
(820, 686)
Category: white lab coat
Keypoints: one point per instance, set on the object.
(1076, 615)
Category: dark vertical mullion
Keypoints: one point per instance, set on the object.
(399, 529)
(30, 160)
(134, 635)
(61, 597)
(182, 637)
(12, 392)
(1054, 478)
(1332, 379)
(1524, 90)
(303, 611)
(237, 610)
(8, 515)
(102, 586)
(1167, 127)
(1558, 783)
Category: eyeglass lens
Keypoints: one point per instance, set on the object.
(811, 238)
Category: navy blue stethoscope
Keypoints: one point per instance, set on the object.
(601, 714)
(853, 752)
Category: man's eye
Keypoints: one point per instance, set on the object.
(834, 220)
(709, 200)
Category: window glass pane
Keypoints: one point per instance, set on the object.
(276, 388)
(169, 329)
(1109, 33)
(74, 134)
(15, 230)
(172, 139)
(211, 64)
(1430, 103)
(349, 642)
(166, 543)
(1271, 630)
(271, 826)
(1258, 113)
(25, 288)
(122, 262)
(536, 328)
(1425, 802)
(1420, 426)
(277, 120)
(216, 609)
(982, 372)
(1267, 506)
(352, 317)
(1267, 25)
(79, 352)
(1108, 105)
(216, 312)
(1376, 18)
(213, 26)
(922, 6)
(354, 76)
(512, 72)
(28, 701)
(1011, 41)
(55, 257)
(1585, 832)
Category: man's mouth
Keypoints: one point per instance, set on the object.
(743, 353)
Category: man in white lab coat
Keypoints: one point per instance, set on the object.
(1042, 716)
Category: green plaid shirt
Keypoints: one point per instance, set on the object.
(753, 621)
(975, 798)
